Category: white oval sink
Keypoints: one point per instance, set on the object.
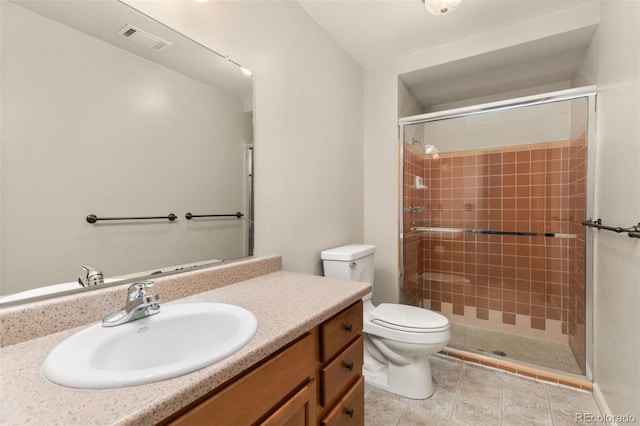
(180, 339)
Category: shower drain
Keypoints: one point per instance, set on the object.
(500, 353)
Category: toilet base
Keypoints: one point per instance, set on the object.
(411, 381)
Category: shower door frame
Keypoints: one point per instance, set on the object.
(588, 92)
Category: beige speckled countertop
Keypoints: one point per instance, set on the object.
(286, 305)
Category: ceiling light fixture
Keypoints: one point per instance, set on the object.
(441, 7)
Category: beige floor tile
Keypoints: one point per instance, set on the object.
(524, 401)
(566, 403)
(382, 409)
(468, 394)
(421, 416)
(478, 401)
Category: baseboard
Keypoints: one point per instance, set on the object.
(602, 405)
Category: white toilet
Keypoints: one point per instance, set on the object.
(398, 338)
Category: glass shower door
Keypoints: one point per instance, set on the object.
(492, 234)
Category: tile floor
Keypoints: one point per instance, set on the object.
(535, 351)
(468, 394)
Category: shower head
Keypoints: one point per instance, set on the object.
(428, 148)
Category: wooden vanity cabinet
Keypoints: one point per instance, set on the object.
(314, 380)
(341, 391)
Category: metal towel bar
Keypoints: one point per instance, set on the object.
(632, 231)
(92, 218)
(189, 216)
(491, 232)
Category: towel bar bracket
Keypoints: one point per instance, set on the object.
(632, 231)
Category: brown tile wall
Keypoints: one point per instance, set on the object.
(531, 188)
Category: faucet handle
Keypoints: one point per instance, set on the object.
(91, 276)
(139, 290)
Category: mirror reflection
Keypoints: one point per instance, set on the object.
(108, 112)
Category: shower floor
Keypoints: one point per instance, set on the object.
(520, 348)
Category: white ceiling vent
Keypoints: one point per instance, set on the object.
(143, 38)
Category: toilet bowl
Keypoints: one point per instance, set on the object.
(398, 338)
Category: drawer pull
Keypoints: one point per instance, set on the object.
(349, 327)
(349, 412)
(348, 366)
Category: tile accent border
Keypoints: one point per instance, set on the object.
(520, 370)
(522, 326)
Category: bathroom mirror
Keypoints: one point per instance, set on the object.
(107, 112)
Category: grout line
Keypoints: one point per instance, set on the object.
(501, 397)
(455, 399)
(546, 395)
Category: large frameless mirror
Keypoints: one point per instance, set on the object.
(109, 115)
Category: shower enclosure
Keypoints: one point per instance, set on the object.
(493, 197)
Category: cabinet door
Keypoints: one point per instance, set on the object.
(249, 398)
(299, 410)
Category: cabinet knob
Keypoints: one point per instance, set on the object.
(348, 366)
(349, 327)
(349, 412)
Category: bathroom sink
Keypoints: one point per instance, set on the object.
(180, 339)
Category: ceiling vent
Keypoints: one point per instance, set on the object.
(143, 38)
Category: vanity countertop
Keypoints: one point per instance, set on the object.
(286, 304)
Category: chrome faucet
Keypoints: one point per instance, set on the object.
(92, 276)
(138, 305)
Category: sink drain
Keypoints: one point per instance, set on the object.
(500, 353)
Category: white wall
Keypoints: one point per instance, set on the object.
(407, 103)
(613, 63)
(381, 121)
(91, 128)
(308, 118)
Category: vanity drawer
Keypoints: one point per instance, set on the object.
(349, 410)
(341, 372)
(339, 331)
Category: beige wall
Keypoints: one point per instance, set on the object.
(308, 118)
(613, 63)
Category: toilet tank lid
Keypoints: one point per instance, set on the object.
(348, 252)
(409, 316)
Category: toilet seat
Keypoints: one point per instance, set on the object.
(408, 318)
(397, 322)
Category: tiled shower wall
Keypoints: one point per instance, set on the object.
(524, 285)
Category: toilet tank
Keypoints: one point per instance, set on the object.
(353, 262)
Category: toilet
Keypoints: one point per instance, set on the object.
(398, 338)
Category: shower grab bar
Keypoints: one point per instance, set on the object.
(190, 216)
(632, 231)
(491, 232)
(92, 218)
